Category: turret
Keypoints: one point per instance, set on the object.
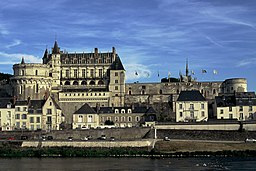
(55, 49)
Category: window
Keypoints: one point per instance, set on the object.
(129, 111)
(37, 88)
(67, 73)
(123, 118)
(192, 114)
(250, 115)
(37, 119)
(116, 119)
(21, 89)
(250, 108)
(241, 116)
(230, 108)
(191, 106)
(202, 113)
(83, 73)
(137, 118)
(91, 72)
(122, 111)
(116, 74)
(24, 108)
(36, 72)
(22, 72)
(129, 119)
(75, 73)
(17, 108)
(116, 81)
(31, 119)
(180, 106)
(18, 124)
(202, 106)
(240, 108)
(100, 73)
(116, 111)
(116, 87)
(50, 103)
(230, 116)
(221, 111)
(23, 116)
(17, 116)
(180, 114)
(49, 119)
(49, 111)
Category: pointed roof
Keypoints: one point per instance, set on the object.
(45, 53)
(117, 64)
(55, 49)
(22, 60)
(85, 109)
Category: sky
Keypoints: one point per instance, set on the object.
(153, 38)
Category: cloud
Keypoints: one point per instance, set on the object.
(14, 43)
(136, 71)
(3, 30)
(246, 62)
(7, 58)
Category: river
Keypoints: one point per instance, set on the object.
(127, 164)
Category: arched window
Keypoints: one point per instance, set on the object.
(75, 83)
(129, 119)
(83, 83)
(67, 83)
(100, 82)
(137, 118)
(130, 92)
(36, 72)
(92, 83)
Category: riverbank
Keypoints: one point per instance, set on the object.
(174, 148)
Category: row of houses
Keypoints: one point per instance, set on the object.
(192, 106)
(47, 115)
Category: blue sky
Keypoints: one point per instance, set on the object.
(150, 36)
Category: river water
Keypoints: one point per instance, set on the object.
(127, 164)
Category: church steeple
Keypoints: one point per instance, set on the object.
(22, 60)
(55, 49)
(45, 57)
(187, 71)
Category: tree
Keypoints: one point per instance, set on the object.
(109, 122)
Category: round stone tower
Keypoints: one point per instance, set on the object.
(234, 85)
(31, 81)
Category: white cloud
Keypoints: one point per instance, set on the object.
(136, 71)
(246, 62)
(14, 43)
(7, 58)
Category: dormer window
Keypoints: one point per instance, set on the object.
(116, 111)
(129, 110)
(122, 111)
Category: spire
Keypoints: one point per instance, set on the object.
(22, 60)
(187, 67)
(55, 49)
(45, 53)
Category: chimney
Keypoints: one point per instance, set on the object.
(96, 51)
(114, 53)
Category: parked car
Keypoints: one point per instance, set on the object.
(70, 138)
(84, 139)
(49, 137)
(10, 138)
(23, 137)
(89, 137)
(167, 139)
(102, 137)
(112, 139)
(44, 138)
(250, 140)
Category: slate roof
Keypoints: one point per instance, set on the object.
(238, 99)
(110, 110)
(55, 103)
(193, 95)
(4, 102)
(117, 64)
(21, 103)
(85, 109)
(36, 104)
(55, 49)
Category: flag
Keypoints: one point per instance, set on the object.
(192, 72)
(136, 73)
(169, 75)
(204, 71)
(215, 71)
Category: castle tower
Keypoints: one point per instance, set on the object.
(30, 80)
(55, 65)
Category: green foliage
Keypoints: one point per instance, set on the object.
(4, 76)
(109, 122)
